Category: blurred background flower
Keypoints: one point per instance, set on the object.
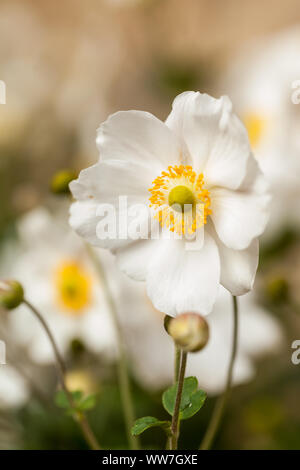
(67, 66)
(262, 82)
(13, 388)
(53, 266)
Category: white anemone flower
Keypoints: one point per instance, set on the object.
(264, 84)
(58, 278)
(200, 158)
(151, 349)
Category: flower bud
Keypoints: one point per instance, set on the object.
(82, 380)
(189, 331)
(77, 347)
(61, 180)
(11, 294)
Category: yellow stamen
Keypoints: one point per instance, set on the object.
(73, 287)
(174, 189)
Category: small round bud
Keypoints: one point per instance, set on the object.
(61, 180)
(190, 331)
(11, 294)
(82, 380)
(77, 347)
(277, 290)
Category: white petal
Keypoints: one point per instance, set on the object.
(214, 137)
(238, 267)
(179, 280)
(238, 217)
(211, 365)
(138, 137)
(230, 151)
(97, 330)
(134, 259)
(105, 184)
(13, 388)
(106, 181)
(194, 119)
(85, 220)
(181, 122)
(254, 179)
(260, 333)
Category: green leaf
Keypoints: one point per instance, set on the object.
(72, 412)
(77, 396)
(62, 400)
(190, 385)
(147, 422)
(87, 403)
(197, 401)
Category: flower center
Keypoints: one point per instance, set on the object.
(73, 287)
(255, 125)
(180, 199)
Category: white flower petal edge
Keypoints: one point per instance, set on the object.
(137, 137)
(214, 136)
(105, 181)
(239, 216)
(83, 219)
(238, 268)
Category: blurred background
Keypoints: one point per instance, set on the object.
(67, 65)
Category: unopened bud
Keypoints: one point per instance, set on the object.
(61, 180)
(81, 380)
(11, 294)
(189, 330)
(77, 347)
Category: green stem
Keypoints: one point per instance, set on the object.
(175, 419)
(122, 363)
(177, 361)
(80, 416)
(222, 401)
